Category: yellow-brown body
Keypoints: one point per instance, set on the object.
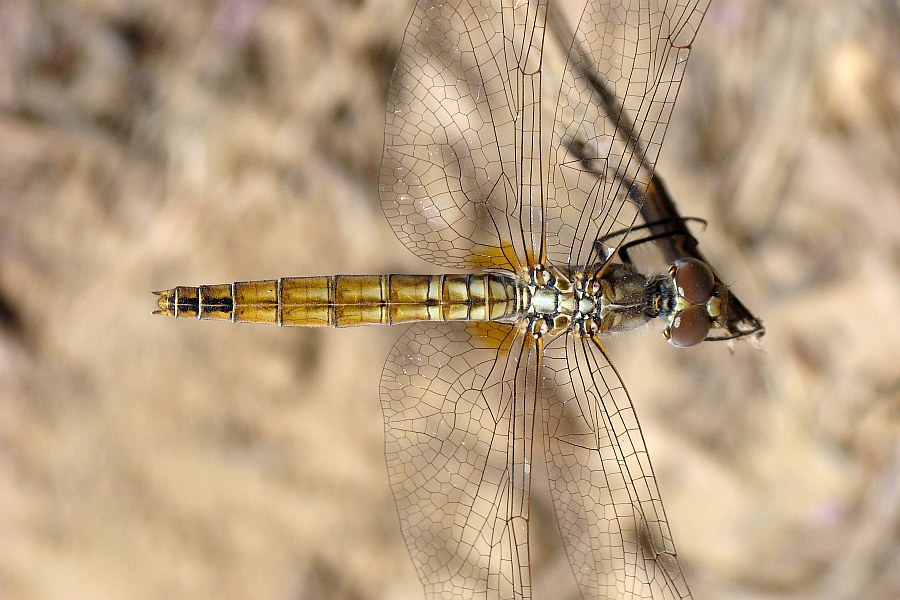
(546, 301)
(351, 300)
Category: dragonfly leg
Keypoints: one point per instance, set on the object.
(678, 229)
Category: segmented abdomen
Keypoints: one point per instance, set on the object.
(350, 300)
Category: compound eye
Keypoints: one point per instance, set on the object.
(690, 327)
(693, 280)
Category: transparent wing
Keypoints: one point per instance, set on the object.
(458, 406)
(461, 177)
(659, 215)
(604, 493)
(462, 180)
(625, 63)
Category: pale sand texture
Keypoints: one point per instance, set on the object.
(146, 144)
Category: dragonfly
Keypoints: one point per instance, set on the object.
(520, 144)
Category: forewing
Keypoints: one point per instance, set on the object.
(604, 492)
(625, 66)
(461, 176)
(459, 404)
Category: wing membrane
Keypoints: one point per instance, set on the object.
(623, 72)
(463, 184)
(657, 209)
(459, 416)
(604, 492)
(461, 178)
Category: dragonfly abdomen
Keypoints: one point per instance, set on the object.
(350, 300)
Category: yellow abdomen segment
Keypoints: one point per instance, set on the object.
(350, 300)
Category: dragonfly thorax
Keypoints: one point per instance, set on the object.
(549, 302)
(588, 301)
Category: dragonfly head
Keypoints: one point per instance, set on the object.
(699, 303)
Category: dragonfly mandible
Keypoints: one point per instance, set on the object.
(522, 172)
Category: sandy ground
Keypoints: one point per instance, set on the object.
(146, 144)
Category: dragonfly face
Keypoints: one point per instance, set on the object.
(519, 162)
(697, 302)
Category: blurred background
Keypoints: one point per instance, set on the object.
(146, 144)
